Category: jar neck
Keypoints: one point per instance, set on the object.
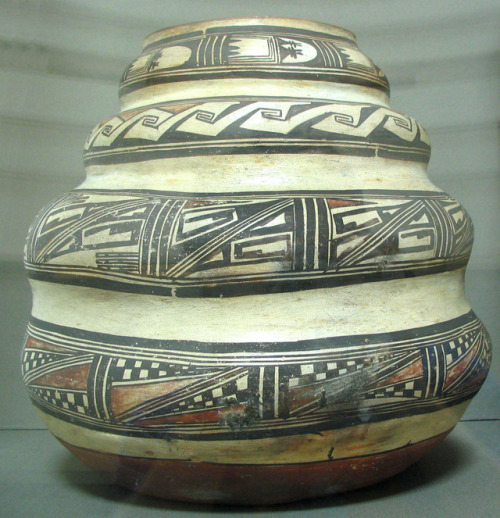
(266, 57)
(262, 88)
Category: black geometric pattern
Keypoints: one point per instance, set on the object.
(202, 245)
(407, 389)
(273, 388)
(221, 391)
(245, 125)
(71, 401)
(132, 370)
(252, 51)
(317, 372)
(38, 363)
(455, 349)
(35, 358)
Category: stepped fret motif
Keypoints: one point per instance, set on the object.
(240, 244)
(237, 125)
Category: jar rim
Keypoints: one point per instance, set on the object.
(290, 22)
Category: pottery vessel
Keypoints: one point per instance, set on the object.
(256, 295)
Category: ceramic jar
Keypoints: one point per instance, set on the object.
(256, 295)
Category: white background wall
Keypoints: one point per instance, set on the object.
(61, 60)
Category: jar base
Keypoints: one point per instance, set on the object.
(204, 482)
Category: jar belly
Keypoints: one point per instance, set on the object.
(147, 403)
(343, 352)
(167, 320)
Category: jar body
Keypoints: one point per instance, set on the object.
(252, 298)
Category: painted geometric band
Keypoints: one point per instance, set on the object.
(258, 51)
(244, 29)
(246, 125)
(203, 391)
(193, 244)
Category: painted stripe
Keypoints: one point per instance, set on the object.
(372, 308)
(276, 391)
(191, 89)
(261, 392)
(224, 174)
(378, 437)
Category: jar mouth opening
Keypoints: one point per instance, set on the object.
(285, 22)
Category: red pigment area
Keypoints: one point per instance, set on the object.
(252, 484)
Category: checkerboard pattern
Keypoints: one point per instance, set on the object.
(125, 369)
(73, 401)
(225, 395)
(33, 359)
(456, 349)
(406, 389)
(309, 373)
